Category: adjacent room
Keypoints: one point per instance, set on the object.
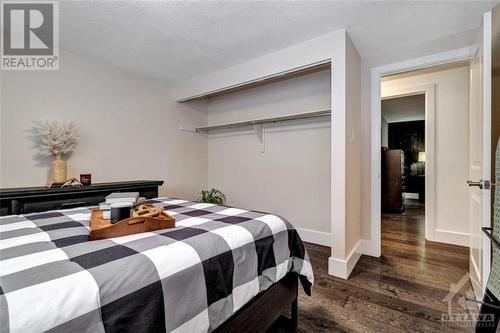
(403, 152)
(249, 166)
(425, 127)
(425, 140)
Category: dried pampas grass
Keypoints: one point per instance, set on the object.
(55, 138)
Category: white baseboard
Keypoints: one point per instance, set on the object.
(369, 248)
(473, 275)
(315, 237)
(451, 237)
(342, 268)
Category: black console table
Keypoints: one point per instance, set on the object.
(24, 200)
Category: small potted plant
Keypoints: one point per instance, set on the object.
(56, 140)
(213, 196)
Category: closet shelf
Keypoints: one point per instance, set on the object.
(248, 123)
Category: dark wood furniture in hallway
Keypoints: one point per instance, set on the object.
(402, 291)
(393, 177)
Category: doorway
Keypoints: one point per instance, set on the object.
(403, 161)
(403, 151)
(424, 159)
(408, 130)
(478, 150)
(402, 70)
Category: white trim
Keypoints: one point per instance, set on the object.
(476, 286)
(376, 114)
(315, 237)
(367, 247)
(258, 80)
(441, 58)
(451, 237)
(342, 268)
(487, 92)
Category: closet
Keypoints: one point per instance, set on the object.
(269, 148)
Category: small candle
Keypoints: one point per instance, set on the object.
(86, 178)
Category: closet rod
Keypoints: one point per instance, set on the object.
(307, 115)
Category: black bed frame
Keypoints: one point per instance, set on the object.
(265, 309)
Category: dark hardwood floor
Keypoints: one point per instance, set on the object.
(402, 291)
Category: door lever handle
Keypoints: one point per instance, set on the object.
(478, 184)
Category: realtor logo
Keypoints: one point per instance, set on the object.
(30, 35)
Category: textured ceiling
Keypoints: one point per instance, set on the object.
(176, 41)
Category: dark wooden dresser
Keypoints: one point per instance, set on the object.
(24, 200)
(393, 180)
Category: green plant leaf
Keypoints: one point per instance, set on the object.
(213, 196)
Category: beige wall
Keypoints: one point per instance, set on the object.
(128, 126)
(292, 177)
(451, 143)
(353, 148)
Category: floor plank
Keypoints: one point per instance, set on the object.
(402, 291)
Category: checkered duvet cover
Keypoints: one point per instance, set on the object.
(187, 279)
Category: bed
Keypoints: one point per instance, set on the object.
(221, 269)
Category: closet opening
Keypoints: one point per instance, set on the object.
(269, 150)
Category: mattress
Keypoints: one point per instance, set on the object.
(187, 279)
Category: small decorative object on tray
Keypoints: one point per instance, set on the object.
(122, 197)
(145, 218)
(119, 198)
(120, 211)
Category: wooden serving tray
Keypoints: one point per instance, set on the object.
(101, 228)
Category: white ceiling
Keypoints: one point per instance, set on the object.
(176, 41)
(408, 108)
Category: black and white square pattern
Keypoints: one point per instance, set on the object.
(187, 279)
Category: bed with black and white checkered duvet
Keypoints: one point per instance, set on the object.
(187, 279)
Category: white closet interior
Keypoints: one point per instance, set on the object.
(286, 170)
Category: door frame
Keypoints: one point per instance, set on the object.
(373, 247)
(430, 103)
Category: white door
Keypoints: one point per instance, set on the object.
(480, 158)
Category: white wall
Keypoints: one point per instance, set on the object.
(292, 177)
(353, 151)
(128, 127)
(451, 146)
